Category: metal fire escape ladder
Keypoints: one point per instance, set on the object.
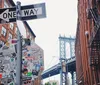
(96, 19)
(94, 14)
(95, 41)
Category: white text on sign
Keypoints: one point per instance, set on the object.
(6, 15)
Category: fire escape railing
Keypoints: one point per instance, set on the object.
(94, 38)
(95, 16)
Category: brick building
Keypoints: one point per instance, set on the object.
(9, 31)
(87, 46)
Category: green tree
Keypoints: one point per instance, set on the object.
(48, 83)
(54, 83)
(45, 83)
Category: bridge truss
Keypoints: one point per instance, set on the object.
(63, 59)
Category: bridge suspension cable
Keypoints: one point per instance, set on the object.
(51, 62)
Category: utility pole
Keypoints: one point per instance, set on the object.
(19, 46)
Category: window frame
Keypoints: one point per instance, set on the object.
(1, 42)
(10, 36)
(11, 26)
(5, 4)
(4, 31)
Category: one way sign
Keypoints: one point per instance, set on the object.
(29, 12)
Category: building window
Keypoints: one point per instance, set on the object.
(1, 43)
(3, 32)
(5, 4)
(11, 26)
(10, 36)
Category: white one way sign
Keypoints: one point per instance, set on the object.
(27, 12)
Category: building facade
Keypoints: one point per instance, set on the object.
(87, 46)
(7, 31)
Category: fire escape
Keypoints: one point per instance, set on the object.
(95, 42)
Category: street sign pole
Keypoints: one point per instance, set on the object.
(19, 45)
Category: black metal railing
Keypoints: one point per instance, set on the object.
(96, 19)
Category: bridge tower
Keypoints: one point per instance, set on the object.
(62, 48)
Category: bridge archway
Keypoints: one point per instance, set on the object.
(62, 47)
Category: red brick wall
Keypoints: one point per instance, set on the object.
(7, 26)
(83, 69)
(79, 68)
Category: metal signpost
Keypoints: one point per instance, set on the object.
(23, 13)
(19, 45)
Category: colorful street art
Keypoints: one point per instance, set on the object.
(33, 59)
(32, 62)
